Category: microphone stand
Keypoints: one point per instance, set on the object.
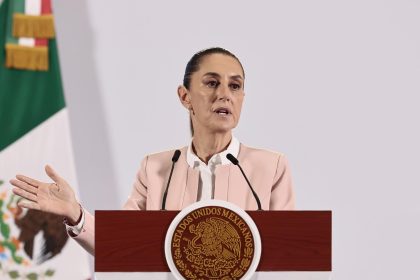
(175, 158)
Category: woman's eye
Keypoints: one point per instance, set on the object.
(235, 86)
(212, 84)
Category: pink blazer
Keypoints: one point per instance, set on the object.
(268, 172)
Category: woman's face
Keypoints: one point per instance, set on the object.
(216, 94)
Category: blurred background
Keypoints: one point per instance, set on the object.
(332, 84)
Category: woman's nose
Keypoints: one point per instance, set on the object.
(223, 92)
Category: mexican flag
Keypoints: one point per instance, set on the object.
(34, 131)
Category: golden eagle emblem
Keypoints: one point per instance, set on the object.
(211, 246)
(218, 243)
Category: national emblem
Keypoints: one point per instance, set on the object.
(213, 242)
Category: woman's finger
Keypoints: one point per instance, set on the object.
(28, 180)
(24, 186)
(25, 194)
(29, 204)
(52, 174)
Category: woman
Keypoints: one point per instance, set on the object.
(212, 92)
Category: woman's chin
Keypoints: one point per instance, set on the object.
(223, 128)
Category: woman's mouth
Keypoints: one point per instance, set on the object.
(222, 111)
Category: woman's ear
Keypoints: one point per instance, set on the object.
(184, 97)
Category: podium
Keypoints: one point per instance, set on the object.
(295, 244)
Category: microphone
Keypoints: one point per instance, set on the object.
(175, 158)
(235, 161)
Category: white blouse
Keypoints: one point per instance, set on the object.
(206, 182)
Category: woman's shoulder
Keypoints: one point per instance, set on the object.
(165, 156)
(248, 150)
(247, 153)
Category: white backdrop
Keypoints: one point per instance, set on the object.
(333, 84)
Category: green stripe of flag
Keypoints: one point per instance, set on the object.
(15, 6)
(27, 98)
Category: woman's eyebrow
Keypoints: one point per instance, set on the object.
(214, 74)
(217, 75)
(237, 77)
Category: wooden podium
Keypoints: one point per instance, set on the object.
(129, 244)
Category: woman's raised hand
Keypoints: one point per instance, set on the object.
(57, 198)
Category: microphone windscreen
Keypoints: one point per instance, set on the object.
(176, 155)
(232, 159)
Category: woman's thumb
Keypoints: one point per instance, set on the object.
(52, 174)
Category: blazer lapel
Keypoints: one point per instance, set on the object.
(191, 186)
(222, 174)
(177, 186)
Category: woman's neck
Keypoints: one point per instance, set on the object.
(205, 145)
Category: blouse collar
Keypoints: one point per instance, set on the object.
(193, 160)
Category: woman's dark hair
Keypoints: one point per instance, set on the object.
(194, 65)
